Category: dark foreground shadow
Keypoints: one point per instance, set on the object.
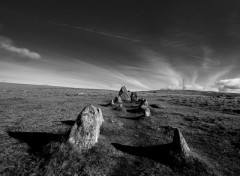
(105, 105)
(37, 141)
(136, 110)
(159, 153)
(140, 117)
(68, 122)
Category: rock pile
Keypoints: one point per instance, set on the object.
(124, 94)
(85, 132)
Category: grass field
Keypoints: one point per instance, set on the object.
(35, 122)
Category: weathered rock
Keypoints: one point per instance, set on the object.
(118, 99)
(134, 97)
(121, 105)
(180, 144)
(86, 130)
(123, 93)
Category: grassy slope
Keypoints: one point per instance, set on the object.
(39, 118)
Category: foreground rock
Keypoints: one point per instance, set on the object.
(124, 94)
(85, 132)
(180, 144)
(134, 97)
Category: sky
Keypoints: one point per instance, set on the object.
(144, 44)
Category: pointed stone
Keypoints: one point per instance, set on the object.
(180, 144)
(86, 130)
(118, 99)
(123, 93)
(134, 97)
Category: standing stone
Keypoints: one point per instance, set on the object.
(112, 102)
(118, 99)
(123, 93)
(147, 112)
(86, 130)
(134, 97)
(180, 144)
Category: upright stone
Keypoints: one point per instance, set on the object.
(86, 130)
(123, 93)
(112, 102)
(180, 144)
(147, 112)
(134, 97)
(118, 99)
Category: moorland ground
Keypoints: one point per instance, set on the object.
(35, 122)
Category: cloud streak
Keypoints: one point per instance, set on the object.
(7, 45)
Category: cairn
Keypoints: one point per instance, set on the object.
(86, 130)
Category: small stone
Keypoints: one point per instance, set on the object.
(144, 103)
(86, 130)
(134, 97)
(147, 112)
(124, 94)
(118, 99)
(112, 102)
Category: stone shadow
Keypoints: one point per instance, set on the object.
(160, 153)
(37, 141)
(140, 117)
(68, 122)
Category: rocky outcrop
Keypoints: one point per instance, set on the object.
(86, 130)
(134, 97)
(180, 144)
(124, 94)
